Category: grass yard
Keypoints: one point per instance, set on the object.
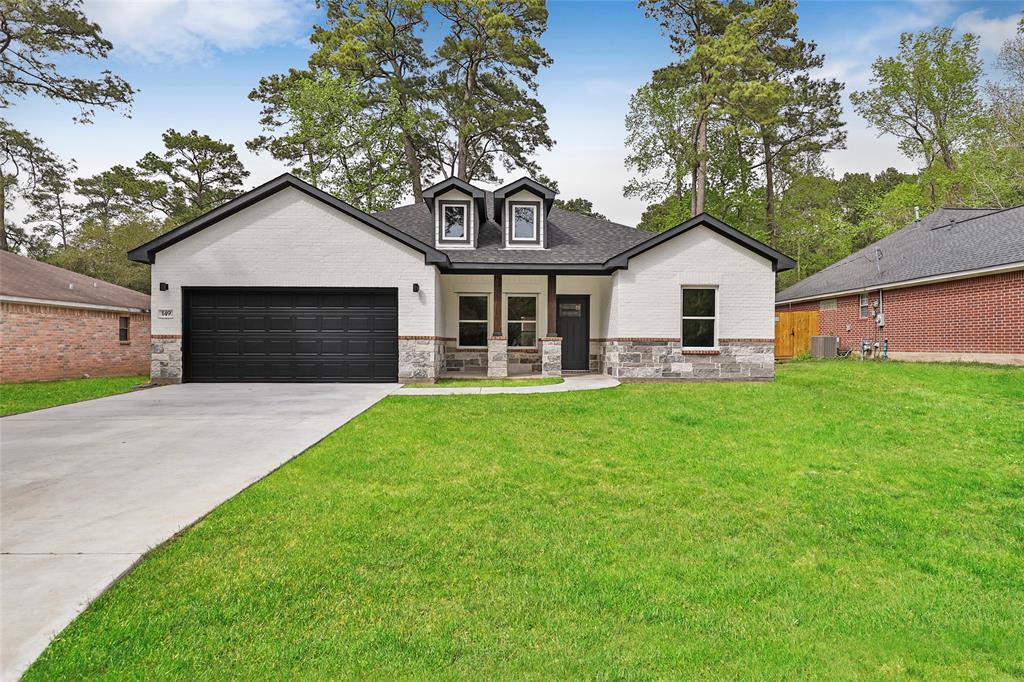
(851, 520)
(18, 398)
(456, 382)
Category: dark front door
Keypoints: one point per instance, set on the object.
(291, 335)
(574, 328)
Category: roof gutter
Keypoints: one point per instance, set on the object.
(934, 279)
(70, 304)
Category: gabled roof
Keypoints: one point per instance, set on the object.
(573, 239)
(575, 242)
(780, 261)
(546, 194)
(431, 193)
(24, 278)
(945, 242)
(147, 252)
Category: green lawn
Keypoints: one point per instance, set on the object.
(455, 382)
(17, 398)
(850, 520)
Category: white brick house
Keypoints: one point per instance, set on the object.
(287, 283)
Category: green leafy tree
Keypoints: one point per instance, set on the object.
(54, 208)
(489, 61)
(927, 97)
(34, 35)
(695, 29)
(24, 162)
(660, 128)
(378, 44)
(98, 250)
(117, 194)
(321, 126)
(665, 214)
(199, 172)
(578, 205)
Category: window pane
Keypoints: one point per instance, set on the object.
(522, 334)
(472, 307)
(454, 222)
(472, 333)
(523, 223)
(699, 333)
(698, 302)
(522, 308)
(570, 310)
(122, 331)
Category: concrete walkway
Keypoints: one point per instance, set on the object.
(88, 488)
(577, 382)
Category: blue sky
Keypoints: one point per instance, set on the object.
(195, 61)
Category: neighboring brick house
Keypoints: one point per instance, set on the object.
(58, 324)
(947, 287)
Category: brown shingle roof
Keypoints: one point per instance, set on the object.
(27, 278)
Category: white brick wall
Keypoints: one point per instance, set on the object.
(646, 298)
(291, 239)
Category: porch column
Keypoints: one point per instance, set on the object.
(551, 345)
(552, 314)
(497, 343)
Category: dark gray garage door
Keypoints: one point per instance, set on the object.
(291, 335)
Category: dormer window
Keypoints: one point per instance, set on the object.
(522, 208)
(454, 217)
(454, 223)
(525, 222)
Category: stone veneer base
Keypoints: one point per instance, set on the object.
(420, 358)
(497, 357)
(165, 365)
(665, 359)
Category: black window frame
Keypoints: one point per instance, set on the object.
(684, 317)
(535, 207)
(485, 321)
(535, 321)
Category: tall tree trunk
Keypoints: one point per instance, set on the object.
(700, 180)
(4, 244)
(415, 169)
(462, 150)
(769, 191)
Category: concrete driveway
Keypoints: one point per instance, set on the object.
(88, 488)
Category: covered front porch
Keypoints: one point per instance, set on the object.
(500, 325)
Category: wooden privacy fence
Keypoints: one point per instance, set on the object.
(793, 332)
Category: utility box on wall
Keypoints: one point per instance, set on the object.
(824, 346)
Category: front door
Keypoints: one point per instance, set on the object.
(574, 328)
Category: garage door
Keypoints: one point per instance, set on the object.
(291, 335)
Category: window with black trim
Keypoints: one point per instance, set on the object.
(699, 313)
(454, 222)
(524, 222)
(122, 328)
(522, 321)
(473, 320)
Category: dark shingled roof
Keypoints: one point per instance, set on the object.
(572, 237)
(26, 278)
(947, 241)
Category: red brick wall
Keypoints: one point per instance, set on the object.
(41, 343)
(976, 315)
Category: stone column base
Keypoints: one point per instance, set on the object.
(420, 359)
(165, 366)
(551, 356)
(497, 357)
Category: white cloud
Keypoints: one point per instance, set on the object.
(991, 32)
(183, 30)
